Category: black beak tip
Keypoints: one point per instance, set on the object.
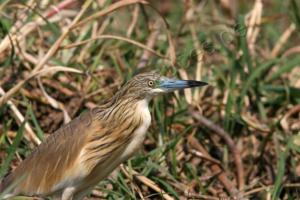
(192, 83)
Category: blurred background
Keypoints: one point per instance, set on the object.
(238, 137)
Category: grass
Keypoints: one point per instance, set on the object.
(248, 113)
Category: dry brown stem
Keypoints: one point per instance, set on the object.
(225, 136)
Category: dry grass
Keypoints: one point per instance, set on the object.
(239, 137)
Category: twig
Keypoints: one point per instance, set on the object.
(62, 5)
(284, 120)
(29, 27)
(290, 51)
(150, 44)
(50, 53)
(31, 136)
(230, 6)
(264, 188)
(123, 3)
(218, 170)
(195, 196)
(108, 10)
(203, 156)
(254, 123)
(116, 38)
(130, 178)
(147, 182)
(134, 20)
(54, 103)
(236, 154)
(197, 47)
(57, 86)
(283, 39)
(12, 35)
(255, 18)
(187, 92)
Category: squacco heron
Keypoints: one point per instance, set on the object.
(83, 152)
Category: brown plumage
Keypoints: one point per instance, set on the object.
(83, 152)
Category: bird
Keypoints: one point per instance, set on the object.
(81, 153)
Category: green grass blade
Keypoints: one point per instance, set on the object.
(39, 131)
(286, 67)
(12, 150)
(256, 74)
(168, 188)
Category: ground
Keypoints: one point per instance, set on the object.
(237, 137)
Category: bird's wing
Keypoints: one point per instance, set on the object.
(54, 163)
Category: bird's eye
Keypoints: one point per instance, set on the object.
(150, 83)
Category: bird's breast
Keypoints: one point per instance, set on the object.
(101, 165)
(139, 134)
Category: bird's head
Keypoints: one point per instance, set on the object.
(148, 85)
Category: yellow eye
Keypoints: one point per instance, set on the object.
(150, 83)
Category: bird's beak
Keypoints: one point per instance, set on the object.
(169, 85)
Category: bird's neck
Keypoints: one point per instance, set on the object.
(119, 110)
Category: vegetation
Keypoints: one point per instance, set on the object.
(238, 137)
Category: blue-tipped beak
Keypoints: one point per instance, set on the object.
(173, 84)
